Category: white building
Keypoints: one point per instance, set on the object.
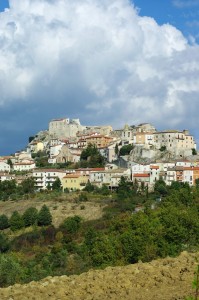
(23, 166)
(140, 168)
(4, 167)
(45, 177)
(111, 178)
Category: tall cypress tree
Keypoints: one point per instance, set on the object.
(44, 216)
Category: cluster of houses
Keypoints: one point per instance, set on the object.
(65, 140)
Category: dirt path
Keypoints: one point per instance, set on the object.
(165, 279)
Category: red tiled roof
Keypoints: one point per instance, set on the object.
(49, 170)
(191, 168)
(90, 169)
(141, 175)
(72, 176)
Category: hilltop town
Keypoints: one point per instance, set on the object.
(79, 198)
(139, 153)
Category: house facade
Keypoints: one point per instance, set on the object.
(44, 178)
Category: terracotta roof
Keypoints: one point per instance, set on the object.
(49, 170)
(154, 167)
(191, 168)
(99, 136)
(141, 175)
(72, 176)
(90, 169)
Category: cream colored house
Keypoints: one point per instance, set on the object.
(111, 178)
(4, 167)
(36, 146)
(174, 140)
(74, 181)
(23, 166)
(68, 154)
(6, 176)
(100, 141)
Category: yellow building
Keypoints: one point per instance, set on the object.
(74, 182)
(100, 141)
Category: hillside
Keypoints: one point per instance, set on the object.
(163, 279)
(61, 207)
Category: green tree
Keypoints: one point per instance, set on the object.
(72, 224)
(8, 187)
(10, 163)
(194, 152)
(28, 185)
(57, 186)
(103, 251)
(92, 157)
(30, 216)
(44, 216)
(116, 149)
(163, 148)
(16, 221)
(4, 223)
(126, 149)
(89, 187)
(160, 187)
(4, 243)
(10, 270)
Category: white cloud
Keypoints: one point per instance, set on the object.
(185, 3)
(116, 66)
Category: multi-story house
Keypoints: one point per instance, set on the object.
(99, 140)
(111, 178)
(170, 175)
(140, 168)
(6, 176)
(154, 174)
(74, 181)
(44, 178)
(144, 138)
(4, 167)
(141, 177)
(174, 140)
(23, 166)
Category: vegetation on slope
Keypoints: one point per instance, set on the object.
(164, 224)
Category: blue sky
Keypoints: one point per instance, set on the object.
(103, 61)
(183, 14)
(3, 4)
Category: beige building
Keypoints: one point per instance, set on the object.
(68, 154)
(141, 134)
(111, 178)
(23, 166)
(74, 181)
(64, 128)
(174, 140)
(99, 140)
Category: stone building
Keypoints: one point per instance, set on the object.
(175, 141)
(64, 128)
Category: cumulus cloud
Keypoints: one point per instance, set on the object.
(97, 60)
